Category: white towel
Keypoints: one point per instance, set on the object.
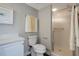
(76, 27)
(72, 45)
(31, 24)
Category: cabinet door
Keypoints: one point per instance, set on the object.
(13, 49)
(2, 51)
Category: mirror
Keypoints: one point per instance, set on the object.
(6, 16)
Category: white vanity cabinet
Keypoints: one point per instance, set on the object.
(15, 48)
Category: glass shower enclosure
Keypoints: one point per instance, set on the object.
(64, 29)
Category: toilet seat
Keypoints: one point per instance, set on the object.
(39, 48)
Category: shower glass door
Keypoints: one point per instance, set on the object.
(61, 24)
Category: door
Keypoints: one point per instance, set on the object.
(63, 31)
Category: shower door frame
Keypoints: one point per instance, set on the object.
(52, 35)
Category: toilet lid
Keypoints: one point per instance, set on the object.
(39, 48)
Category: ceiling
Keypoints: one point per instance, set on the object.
(59, 6)
(38, 6)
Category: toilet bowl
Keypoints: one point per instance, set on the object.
(37, 49)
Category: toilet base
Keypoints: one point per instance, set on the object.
(39, 54)
(33, 53)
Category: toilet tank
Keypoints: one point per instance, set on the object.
(32, 40)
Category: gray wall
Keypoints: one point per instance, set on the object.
(45, 26)
(20, 11)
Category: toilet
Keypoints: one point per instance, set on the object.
(37, 49)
